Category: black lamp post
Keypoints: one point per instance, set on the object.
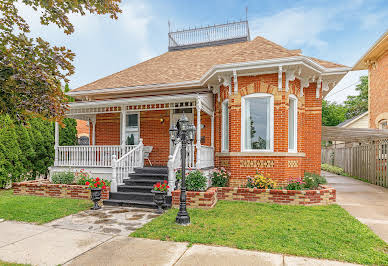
(183, 132)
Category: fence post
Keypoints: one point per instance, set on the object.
(113, 185)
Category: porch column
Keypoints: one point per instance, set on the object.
(92, 122)
(198, 134)
(212, 130)
(123, 124)
(56, 143)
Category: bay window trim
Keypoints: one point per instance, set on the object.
(224, 136)
(295, 149)
(271, 121)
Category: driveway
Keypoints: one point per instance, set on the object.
(366, 202)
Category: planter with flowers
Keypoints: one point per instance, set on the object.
(96, 185)
(160, 192)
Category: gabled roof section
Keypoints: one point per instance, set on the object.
(185, 66)
(378, 48)
(352, 120)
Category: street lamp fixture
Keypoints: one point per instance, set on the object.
(183, 132)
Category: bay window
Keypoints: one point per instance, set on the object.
(257, 122)
(225, 127)
(292, 123)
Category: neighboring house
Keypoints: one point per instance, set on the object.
(255, 104)
(360, 121)
(375, 61)
(83, 132)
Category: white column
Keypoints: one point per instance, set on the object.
(280, 78)
(212, 130)
(92, 121)
(235, 81)
(198, 134)
(56, 143)
(123, 125)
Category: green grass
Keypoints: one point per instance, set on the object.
(3, 263)
(312, 231)
(37, 209)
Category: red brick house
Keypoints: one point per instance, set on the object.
(375, 61)
(255, 104)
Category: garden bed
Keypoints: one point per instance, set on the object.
(43, 187)
(207, 199)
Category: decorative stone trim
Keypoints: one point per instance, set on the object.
(196, 199)
(224, 163)
(257, 163)
(46, 189)
(292, 163)
(323, 196)
(261, 154)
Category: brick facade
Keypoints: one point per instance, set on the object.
(45, 189)
(378, 91)
(324, 196)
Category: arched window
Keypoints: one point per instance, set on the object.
(292, 123)
(383, 124)
(257, 122)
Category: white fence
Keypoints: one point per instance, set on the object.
(89, 156)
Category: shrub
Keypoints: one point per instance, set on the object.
(82, 177)
(196, 181)
(98, 183)
(63, 178)
(295, 184)
(332, 169)
(312, 181)
(260, 180)
(220, 178)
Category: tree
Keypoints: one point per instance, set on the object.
(28, 153)
(31, 70)
(333, 113)
(68, 134)
(358, 104)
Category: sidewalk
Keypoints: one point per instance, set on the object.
(47, 245)
(366, 202)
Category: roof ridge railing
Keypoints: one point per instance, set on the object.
(231, 32)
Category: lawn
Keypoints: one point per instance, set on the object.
(37, 209)
(3, 263)
(312, 231)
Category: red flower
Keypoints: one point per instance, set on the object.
(87, 183)
(103, 187)
(95, 185)
(165, 181)
(98, 183)
(97, 179)
(158, 185)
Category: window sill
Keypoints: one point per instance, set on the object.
(278, 154)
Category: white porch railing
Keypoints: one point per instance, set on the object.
(89, 156)
(125, 165)
(207, 156)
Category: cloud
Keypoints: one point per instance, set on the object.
(296, 26)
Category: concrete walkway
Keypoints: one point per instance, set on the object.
(366, 202)
(47, 245)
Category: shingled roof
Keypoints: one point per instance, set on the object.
(192, 64)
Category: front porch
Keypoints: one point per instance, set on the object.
(123, 131)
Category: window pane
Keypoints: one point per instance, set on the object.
(291, 124)
(257, 133)
(132, 120)
(225, 126)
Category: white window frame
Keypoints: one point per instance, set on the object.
(224, 139)
(294, 98)
(271, 121)
(138, 123)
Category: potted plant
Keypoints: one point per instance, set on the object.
(96, 185)
(160, 191)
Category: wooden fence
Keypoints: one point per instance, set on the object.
(368, 161)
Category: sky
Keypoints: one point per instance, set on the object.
(340, 31)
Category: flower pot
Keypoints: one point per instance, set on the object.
(159, 199)
(95, 196)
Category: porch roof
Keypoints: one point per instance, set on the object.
(81, 110)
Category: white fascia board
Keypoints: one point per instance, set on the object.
(285, 61)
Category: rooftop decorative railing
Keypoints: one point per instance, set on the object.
(208, 36)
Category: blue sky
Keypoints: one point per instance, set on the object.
(338, 31)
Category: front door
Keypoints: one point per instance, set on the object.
(176, 114)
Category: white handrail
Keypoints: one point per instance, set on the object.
(126, 164)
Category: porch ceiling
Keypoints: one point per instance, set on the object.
(82, 110)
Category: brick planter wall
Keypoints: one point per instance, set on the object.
(197, 199)
(46, 189)
(323, 196)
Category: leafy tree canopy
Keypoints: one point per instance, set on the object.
(358, 104)
(333, 113)
(31, 70)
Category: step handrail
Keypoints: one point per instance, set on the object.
(126, 164)
(173, 164)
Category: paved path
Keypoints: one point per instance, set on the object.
(48, 245)
(367, 202)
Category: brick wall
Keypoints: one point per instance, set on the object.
(108, 129)
(279, 167)
(45, 189)
(378, 91)
(82, 128)
(196, 199)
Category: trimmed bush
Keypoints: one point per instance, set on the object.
(220, 178)
(63, 178)
(332, 169)
(196, 181)
(312, 181)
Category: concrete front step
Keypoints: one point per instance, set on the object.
(152, 170)
(154, 176)
(132, 196)
(141, 182)
(136, 203)
(125, 188)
